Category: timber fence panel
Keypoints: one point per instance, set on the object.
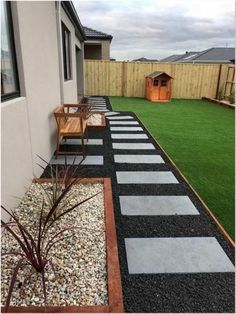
(117, 78)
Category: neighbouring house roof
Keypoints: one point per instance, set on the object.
(171, 58)
(93, 34)
(175, 58)
(145, 60)
(215, 54)
(157, 73)
(72, 14)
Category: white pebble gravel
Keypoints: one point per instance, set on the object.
(79, 259)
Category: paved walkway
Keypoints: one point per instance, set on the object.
(172, 257)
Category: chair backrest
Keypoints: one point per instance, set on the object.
(60, 119)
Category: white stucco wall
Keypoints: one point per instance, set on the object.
(16, 161)
(38, 37)
(70, 86)
(28, 124)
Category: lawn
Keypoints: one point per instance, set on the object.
(199, 137)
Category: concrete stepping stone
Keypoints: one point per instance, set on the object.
(111, 113)
(95, 107)
(157, 205)
(99, 110)
(96, 98)
(98, 104)
(121, 118)
(133, 146)
(176, 255)
(124, 122)
(125, 128)
(77, 141)
(129, 136)
(138, 159)
(89, 160)
(145, 177)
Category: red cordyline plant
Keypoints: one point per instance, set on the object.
(34, 246)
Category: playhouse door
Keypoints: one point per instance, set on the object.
(164, 92)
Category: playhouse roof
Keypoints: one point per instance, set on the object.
(157, 73)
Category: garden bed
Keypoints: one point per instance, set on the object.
(86, 261)
(220, 102)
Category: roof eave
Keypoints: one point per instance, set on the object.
(100, 37)
(72, 14)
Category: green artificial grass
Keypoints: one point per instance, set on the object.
(199, 137)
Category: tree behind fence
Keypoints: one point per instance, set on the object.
(116, 78)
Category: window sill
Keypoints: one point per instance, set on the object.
(12, 101)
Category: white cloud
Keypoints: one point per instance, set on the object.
(156, 29)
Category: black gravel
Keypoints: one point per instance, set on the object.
(162, 293)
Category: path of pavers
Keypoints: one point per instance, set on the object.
(148, 257)
(172, 256)
(98, 104)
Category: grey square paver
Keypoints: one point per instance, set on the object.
(89, 160)
(125, 128)
(157, 205)
(96, 105)
(139, 159)
(77, 141)
(176, 255)
(121, 118)
(145, 177)
(129, 136)
(133, 146)
(124, 122)
(111, 113)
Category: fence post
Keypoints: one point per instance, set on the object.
(124, 78)
(218, 81)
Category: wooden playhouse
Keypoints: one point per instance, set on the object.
(158, 87)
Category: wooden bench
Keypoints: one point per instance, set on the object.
(72, 124)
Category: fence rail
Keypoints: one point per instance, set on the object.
(117, 78)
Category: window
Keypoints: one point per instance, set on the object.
(9, 74)
(164, 83)
(155, 83)
(66, 52)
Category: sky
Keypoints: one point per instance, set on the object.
(159, 28)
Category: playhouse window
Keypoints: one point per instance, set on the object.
(155, 83)
(163, 83)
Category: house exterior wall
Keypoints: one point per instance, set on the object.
(70, 86)
(105, 50)
(93, 52)
(28, 123)
(99, 50)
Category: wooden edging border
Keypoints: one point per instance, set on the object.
(218, 102)
(210, 213)
(115, 298)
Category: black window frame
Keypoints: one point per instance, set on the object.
(16, 93)
(163, 82)
(155, 82)
(66, 54)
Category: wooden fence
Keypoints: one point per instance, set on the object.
(117, 78)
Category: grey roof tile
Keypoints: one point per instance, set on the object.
(94, 34)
